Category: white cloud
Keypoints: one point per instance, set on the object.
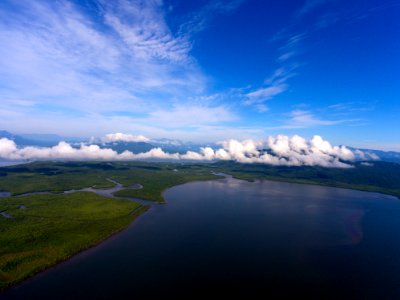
(190, 115)
(291, 48)
(299, 118)
(309, 6)
(122, 137)
(110, 67)
(305, 118)
(264, 94)
(195, 130)
(59, 57)
(199, 20)
(366, 155)
(140, 24)
(259, 96)
(274, 85)
(9, 150)
(280, 150)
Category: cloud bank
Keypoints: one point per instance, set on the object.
(122, 137)
(280, 150)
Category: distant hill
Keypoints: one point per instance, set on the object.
(19, 140)
(389, 156)
(171, 146)
(39, 140)
(134, 147)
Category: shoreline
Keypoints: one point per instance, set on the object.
(138, 212)
(322, 184)
(6, 194)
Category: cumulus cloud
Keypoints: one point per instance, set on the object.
(280, 150)
(365, 155)
(122, 137)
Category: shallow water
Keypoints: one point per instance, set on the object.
(228, 236)
(6, 215)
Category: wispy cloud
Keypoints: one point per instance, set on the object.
(291, 40)
(309, 6)
(352, 107)
(55, 54)
(260, 96)
(142, 28)
(85, 64)
(278, 82)
(113, 66)
(190, 115)
(291, 47)
(303, 118)
(199, 20)
(274, 85)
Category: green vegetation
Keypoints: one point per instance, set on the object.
(58, 177)
(155, 183)
(53, 177)
(382, 177)
(50, 229)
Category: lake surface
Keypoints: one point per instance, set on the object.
(224, 237)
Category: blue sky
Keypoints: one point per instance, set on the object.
(203, 70)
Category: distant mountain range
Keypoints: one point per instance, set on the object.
(171, 146)
(168, 145)
(389, 156)
(40, 140)
(49, 140)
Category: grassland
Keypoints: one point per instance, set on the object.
(58, 177)
(43, 177)
(48, 229)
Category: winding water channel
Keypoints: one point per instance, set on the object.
(109, 192)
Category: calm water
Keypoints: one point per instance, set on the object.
(228, 237)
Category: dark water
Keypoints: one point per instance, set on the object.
(229, 237)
